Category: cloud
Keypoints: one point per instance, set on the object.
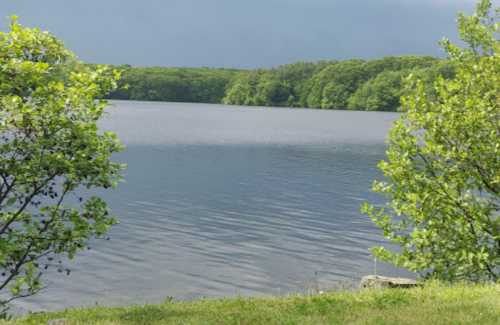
(241, 33)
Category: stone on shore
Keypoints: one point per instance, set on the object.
(380, 282)
(58, 322)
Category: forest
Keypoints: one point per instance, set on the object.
(374, 85)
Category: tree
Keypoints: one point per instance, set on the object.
(271, 91)
(442, 173)
(381, 93)
(205, 85)
(243, 89)
(323, 84)
(50, 147)
(332, 87)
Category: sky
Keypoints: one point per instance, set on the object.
(240, 33)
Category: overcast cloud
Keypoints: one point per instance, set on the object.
(240, 33)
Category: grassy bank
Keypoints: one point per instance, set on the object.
(433, 304)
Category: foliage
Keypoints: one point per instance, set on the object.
(282, 86)
(198, 85)
(443, 165)
(246, 89)
(381, 93)
(332, 87)
(331, 84)
(432, 304)
(324, 84)
(49, 147)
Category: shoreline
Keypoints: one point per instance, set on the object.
(250, 107)
(431, 304)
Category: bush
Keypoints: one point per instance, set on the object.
(49, 147)
(443, 165)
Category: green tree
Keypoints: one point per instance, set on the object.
(442, 173)
(203, 85)
(50, 147)
(271, 91)
(396, 63)
(323, 84)
(429, 75)
(243, 89)
(332, 87)
(281, 86)
(381, 93)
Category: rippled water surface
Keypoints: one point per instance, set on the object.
(223, 201)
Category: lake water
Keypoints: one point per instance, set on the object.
(224, 201)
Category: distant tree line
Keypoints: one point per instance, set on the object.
(198, 85)
(374, 85)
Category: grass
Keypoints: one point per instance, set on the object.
(432, 304)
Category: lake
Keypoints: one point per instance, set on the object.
(224, 201)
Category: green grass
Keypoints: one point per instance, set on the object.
(432, 304)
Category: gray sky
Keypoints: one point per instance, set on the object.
(240, 33)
